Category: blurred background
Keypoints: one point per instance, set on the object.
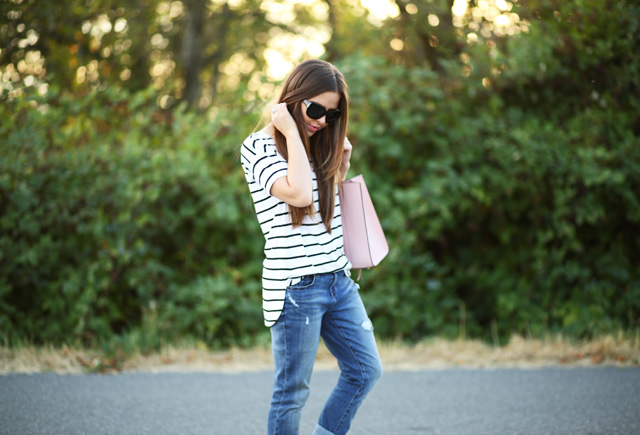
(500, 141)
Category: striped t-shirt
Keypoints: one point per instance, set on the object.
(290, 253)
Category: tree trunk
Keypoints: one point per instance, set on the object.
(223, 19)
(192, 49)
(418, 54)
(432, 44)
(331, 47)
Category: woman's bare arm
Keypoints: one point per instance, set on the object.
(296, 188)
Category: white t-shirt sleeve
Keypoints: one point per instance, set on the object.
(262, 162)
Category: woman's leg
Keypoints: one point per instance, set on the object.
(348, 334)
(294, 338)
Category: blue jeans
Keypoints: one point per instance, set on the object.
(328, 306)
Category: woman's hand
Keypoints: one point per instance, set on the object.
(346, 156)
(283, 121)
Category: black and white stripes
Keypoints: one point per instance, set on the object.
(290, 253)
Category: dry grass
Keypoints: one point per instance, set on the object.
(620, 350)
(519, 352)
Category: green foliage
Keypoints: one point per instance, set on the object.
(578, 55)
(108, 205)
(513, 199)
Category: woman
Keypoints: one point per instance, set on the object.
(293, 166)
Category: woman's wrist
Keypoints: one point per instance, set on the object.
(292, 135)
(344, 169)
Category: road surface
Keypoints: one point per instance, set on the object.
(579, 401)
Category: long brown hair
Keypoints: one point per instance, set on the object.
(324, 149)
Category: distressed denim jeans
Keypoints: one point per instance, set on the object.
(328, 306)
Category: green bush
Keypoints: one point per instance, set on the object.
(108, 205)
(513, 202)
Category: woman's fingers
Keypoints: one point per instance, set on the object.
(282, 119)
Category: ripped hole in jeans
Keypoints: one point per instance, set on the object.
(367, 325)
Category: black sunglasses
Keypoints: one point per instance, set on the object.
(317, 111)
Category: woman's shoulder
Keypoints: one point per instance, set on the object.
(259, 137)
(259, 143)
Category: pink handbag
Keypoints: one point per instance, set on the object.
(364, 241)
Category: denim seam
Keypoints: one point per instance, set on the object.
(332, 287)
(362, 372)
(282, 392)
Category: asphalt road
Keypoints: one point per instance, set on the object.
(584, 401)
